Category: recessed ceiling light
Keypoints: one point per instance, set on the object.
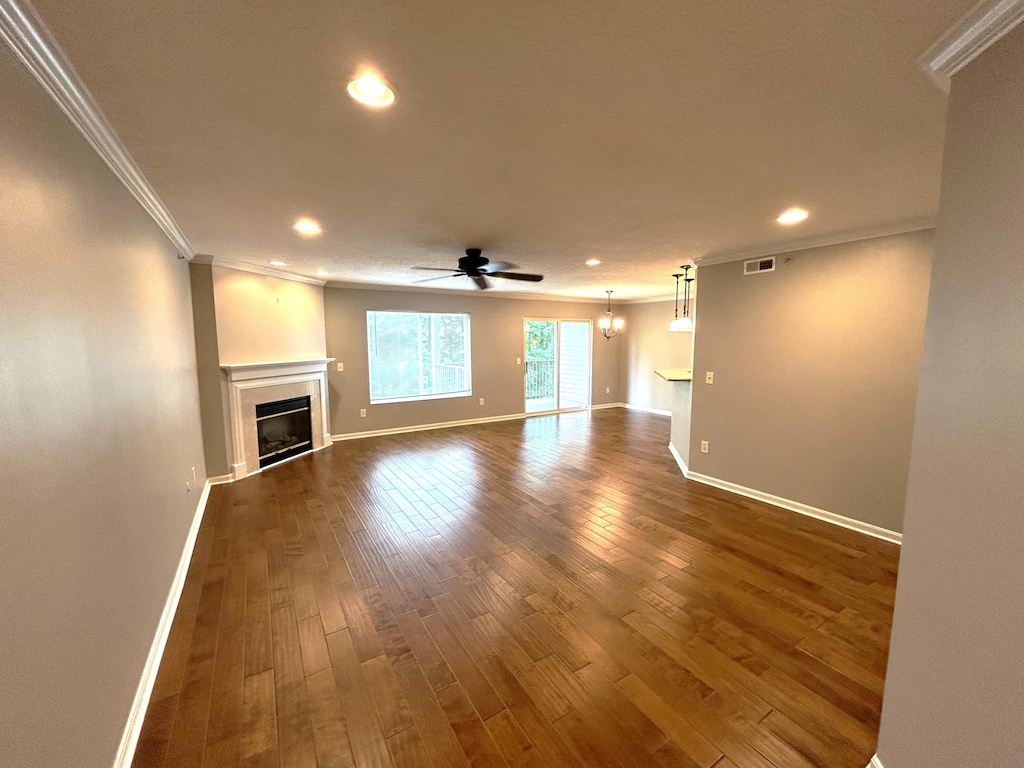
(592, 262)
(307, 227)
(371, 90)
(322, 273)
(793, 216)
(278, 264)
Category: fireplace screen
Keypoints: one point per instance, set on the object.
(284, 429)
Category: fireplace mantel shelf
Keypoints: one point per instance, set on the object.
(244, 371)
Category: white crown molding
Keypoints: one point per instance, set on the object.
(976, 30)
(820, 241)
(659, 299)
(137, 714)
(257, 269)
(492, 294)
(804, 509)
(347, 286)
(24, 32)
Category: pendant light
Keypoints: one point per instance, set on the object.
(610, 326)
(684, 323)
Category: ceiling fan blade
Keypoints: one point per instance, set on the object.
(434, 269)
(481, 282)
(439, 277)
(497, 266)
(517, 276)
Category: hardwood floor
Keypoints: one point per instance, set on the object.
(548, 592)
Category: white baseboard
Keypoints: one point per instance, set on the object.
(679, 460)
(645, 409)
(467, 422)
(875, 763)
(221, 479)
(428, 427)
(137, 714)
(803, 509)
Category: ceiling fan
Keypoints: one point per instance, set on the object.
(478, 268)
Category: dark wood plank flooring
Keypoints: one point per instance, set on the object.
(547, 592)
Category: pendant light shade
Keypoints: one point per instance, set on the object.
(684, 323)
(681, 324)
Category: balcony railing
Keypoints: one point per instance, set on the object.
(540, 379)
(449, 378)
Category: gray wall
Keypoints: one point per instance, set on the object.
(955, 686)
(266, 319)
(682, 392)
(213, 407)
(816, 369)
(497, 340)
(98, 403)
(649, 345)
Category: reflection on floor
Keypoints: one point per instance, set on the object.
(546, 592)
(536, 404)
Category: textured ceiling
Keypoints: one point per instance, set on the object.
(546, 132)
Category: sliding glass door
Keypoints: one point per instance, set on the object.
(557, 366)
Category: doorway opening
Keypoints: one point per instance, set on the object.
(558, 364)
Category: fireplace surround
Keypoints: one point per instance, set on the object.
(252, 386)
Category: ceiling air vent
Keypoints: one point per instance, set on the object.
(754, 266)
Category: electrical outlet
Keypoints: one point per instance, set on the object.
(362, 413)
(481, 401)
(704, 446)
(188, 488)
(341, 367)
(709, 377)
(519, 361)
(607, 390)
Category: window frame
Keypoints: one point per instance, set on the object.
(416, 398)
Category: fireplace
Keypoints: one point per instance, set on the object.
(254, 385)
(283, 429)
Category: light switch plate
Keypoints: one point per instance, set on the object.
(341, 367)
(709, 377)
(362, 413)
(704, 446)
(519, 361)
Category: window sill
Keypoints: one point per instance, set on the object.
(416, 398)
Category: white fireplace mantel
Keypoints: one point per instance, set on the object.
(246, 371)
(251, 384)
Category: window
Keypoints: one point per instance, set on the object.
(418, 355)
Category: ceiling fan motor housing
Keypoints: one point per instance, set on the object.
(472, 261)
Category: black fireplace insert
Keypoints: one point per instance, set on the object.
(284, 429)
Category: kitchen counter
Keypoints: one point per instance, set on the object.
(675, 374)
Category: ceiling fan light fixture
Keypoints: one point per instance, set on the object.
(371, 91)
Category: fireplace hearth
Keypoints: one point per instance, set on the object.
(283, 429)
